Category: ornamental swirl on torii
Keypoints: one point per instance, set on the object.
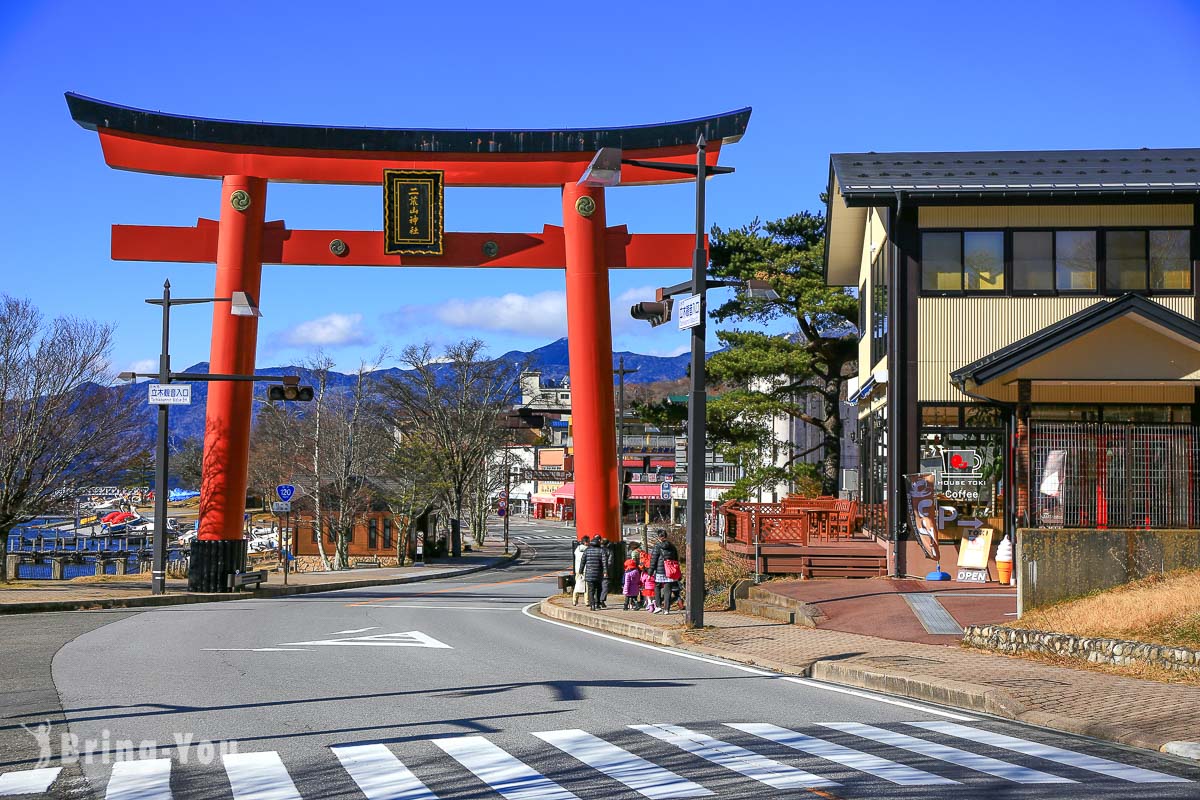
(246, 156)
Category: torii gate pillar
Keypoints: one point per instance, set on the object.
(589, 343)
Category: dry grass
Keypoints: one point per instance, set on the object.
(721, 571)
(1161, 609)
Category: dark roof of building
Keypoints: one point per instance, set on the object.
(1065, 330)
(93, 114)
(865, 178)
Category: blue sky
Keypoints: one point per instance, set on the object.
(832, 77)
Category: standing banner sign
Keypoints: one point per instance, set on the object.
(923, 511)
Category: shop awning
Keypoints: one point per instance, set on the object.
(543, 499)
(644, 491)
(1127, 341)
(662, 463)
(565, 492)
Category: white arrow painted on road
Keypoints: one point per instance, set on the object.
(405, 639)
(355, 630)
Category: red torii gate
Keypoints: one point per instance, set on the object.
(245, 156)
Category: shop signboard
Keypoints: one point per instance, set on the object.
(975, 549)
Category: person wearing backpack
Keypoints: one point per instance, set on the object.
(595, 572)
(664, 565)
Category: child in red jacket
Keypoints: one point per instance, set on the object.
(648, 591)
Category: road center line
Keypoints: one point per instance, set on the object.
(753, 670)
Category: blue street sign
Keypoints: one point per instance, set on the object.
(285, 491)
(665, 490)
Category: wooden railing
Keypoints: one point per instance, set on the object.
(797, 520)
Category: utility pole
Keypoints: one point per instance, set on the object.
(507, 489)
(621, 372)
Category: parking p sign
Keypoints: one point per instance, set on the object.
(285, 491)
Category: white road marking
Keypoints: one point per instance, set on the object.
(952, 755)
(403, 639)
(508, 776)
(28, 781)
(256, 650)
(752, 670)
(355, 630)
(855, 759)
(1056, 754)
(738, 759)
(259, 776)
(149, 779)
(635, 772)
(380, 775)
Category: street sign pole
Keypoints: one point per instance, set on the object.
(158, 565)
(507, 487)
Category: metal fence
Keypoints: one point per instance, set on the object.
(1115, 475)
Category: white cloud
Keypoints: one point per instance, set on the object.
(144, 365)
(541, 314)
(332, 330)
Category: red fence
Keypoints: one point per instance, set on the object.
(797, 520)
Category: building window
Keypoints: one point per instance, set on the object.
(1110, 261)
(1075, 261)
(387, 532)
(1033, 261)
(1125, 261)
(863, 300)
(1170, 260)
(879, 305)
(941, 262)
(983, 261)
(316, 535)
(372, 533)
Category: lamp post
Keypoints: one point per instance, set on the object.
(605, 170)
(241, 305)
(621, 372)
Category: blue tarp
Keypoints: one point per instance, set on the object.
(175, 495)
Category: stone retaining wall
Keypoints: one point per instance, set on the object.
(1097, 651)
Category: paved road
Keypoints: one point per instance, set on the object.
(452, 690)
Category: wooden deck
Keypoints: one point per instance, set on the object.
(856, 558)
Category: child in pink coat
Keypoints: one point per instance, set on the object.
(648, 591)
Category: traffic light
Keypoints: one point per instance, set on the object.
(656, 313)
(289, 392)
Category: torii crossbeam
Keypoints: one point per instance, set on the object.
(246, 156)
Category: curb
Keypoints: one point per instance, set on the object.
(217, 597)
(955, 694)
(621, 627)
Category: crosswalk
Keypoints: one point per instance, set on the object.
(866, 758)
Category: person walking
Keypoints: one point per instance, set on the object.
(580, 584)
(609, 568)
(664, 565)
(595, 572)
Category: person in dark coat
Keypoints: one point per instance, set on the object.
(663, 552)
(609, 566)
(595, 572)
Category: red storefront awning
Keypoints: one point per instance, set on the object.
(565, 492)
(644, 491)
(543, 499)
(662, 463)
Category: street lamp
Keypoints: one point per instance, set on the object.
(240, 305)
(605, 170)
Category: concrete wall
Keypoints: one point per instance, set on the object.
(1057, 564)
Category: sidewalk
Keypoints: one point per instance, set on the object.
(32, 597)
(1142, 713)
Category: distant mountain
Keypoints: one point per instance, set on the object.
(187, 422)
